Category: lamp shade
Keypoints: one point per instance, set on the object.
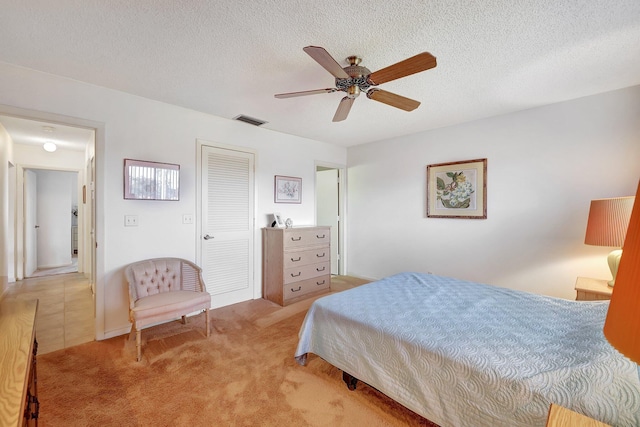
(608, 221)
(622, 325)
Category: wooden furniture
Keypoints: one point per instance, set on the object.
(164, 289)
(19, 404)
(563, 417)
(588, 289)
(296, 263)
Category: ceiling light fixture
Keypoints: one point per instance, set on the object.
(49, 146)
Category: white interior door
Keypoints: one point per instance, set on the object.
(30, 224)
(227, 224)
(327, 209)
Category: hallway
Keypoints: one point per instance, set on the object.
(65, 315)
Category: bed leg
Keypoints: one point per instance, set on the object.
(349, 380)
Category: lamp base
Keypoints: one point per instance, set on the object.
(614, 262)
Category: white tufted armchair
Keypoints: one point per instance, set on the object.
(164, 289)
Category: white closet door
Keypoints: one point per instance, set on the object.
(227, 224)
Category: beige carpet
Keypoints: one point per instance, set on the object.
(243, 375)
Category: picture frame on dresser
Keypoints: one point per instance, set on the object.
(277, 220)
(457, 189)
(287, 189)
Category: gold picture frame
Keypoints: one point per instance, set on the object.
(457, 189)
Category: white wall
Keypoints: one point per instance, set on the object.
(545, 165)
(54, 200)
(134, 127)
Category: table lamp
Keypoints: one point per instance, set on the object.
(622, 325)
(607, 226)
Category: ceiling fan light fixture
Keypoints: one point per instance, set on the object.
(49, 146)
(355, 78)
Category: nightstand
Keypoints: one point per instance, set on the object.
(588, 289)
(562, 417)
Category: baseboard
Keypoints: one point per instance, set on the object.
(116, 332)
(357, 276)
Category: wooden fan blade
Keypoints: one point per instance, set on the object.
(343, 109)
(323, 58)
(392, 99)
(303, 93)
(421, 62)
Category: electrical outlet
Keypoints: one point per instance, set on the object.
(131, 220)
(187, 219)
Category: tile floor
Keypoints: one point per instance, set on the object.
(65, 314)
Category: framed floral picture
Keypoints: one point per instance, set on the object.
(457, 189)
(287, 189)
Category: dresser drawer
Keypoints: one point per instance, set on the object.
(294, 259)
(304, 272)
(308, 286)
(294, 238)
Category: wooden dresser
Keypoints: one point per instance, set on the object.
(18, 382)
(296, 263)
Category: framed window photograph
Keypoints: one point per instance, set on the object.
(287, 189)
(145, 180)
(457, 189)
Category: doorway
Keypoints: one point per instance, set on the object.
(330, 210)
(51, 222)
(77, 143)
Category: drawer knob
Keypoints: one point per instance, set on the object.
(296, 240)
(296, 290)
(296, 275)
(320, 269)
(296, 260)
(321, 237)
(320, 256)
(320, 283)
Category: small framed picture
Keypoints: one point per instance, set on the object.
(457, 189)
(287, 189)
(277, 221)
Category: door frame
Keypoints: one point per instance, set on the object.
(98, 192)
(342, 210)
(257, 260)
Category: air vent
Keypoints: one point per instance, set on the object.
(250, 120)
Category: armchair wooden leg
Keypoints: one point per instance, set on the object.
(206, 319)
(138, 345)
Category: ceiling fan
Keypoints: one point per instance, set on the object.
(355, 79)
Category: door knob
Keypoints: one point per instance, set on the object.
(207, 237)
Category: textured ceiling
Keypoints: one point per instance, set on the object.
(230, 57)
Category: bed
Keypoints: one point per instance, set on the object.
(467, 354)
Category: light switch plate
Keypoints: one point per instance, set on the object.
(131, 220)
(187, 219)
